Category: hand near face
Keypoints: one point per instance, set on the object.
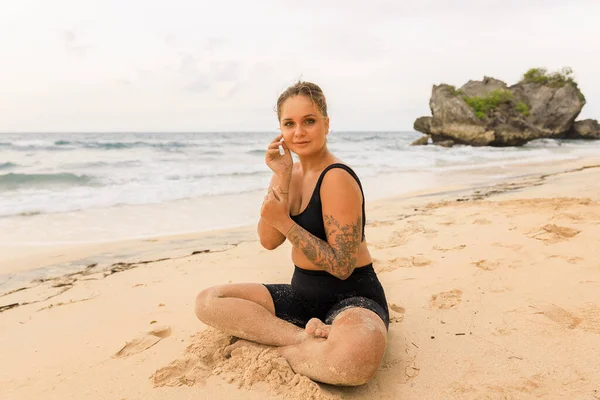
(279, 164)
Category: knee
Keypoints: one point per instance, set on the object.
(357, 363)
(204, 302)
(355, 375)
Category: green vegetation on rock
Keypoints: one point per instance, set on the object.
(555, 79)
(483, 106)
(522, 108)
(454, 91)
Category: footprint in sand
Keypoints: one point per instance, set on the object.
(403, 262)
(486, 265)
(515, 247)
(397, 314)
(511, 388)
(420, 261)
(570, 260)
(588, 319)
(446, 300)
(482, 221)
(144, 342)
(459, 247)
(447, 223)
(559, 315)
(503, 331)
(401, 237)
(552, 233)
(380, 223)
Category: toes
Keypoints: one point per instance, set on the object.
(316, 328)
(322, 333)
(312, 325)
(229, 349)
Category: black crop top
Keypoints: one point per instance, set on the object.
(311, 218)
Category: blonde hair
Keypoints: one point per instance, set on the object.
(308, 89)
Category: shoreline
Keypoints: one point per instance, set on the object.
(101, 257)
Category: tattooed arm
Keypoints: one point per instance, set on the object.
(342, 216)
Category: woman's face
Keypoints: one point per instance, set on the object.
(303, 126)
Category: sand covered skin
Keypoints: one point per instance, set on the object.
(494, 293)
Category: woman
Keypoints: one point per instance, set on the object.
(331, 323)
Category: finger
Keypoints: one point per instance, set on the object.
(273, 152)
(278, 138)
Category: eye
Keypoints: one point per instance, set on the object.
(289, 123)
(310, 121)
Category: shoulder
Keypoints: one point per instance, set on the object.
(339, 182)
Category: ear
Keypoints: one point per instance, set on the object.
(327, 125)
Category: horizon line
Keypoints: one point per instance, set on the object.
(228, 131)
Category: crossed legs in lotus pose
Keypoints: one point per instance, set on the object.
(347, 352)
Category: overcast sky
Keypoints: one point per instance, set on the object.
(194, 65)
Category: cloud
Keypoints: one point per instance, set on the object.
(201, 74)
(215, 43)
(72, 45)
(188, 65)
(225, 71)
(123, 82)
(200, 85)
(170, 40)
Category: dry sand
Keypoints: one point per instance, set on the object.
(494, 294)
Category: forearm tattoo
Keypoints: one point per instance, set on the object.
(338, 259)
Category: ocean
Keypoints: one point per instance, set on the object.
(86, 187)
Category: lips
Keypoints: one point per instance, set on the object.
(301, 142)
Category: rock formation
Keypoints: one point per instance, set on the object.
(586, 129)
(490, 113)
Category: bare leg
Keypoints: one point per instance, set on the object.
(349, 356)
(246, 311)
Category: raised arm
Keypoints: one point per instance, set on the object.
(281, 165)
(270, 237)
(341, 200)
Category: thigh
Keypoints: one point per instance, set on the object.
(289, 304)
(254, 292)
(358, 302)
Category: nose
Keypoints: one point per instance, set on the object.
(299, 130)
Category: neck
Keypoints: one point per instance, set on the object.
(316, 162)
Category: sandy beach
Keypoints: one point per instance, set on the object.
(494, 293)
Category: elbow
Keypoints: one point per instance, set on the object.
(345, 269)
(344, 276)
(345, 273)
(269, 244)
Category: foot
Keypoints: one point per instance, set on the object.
(316, 328)
(238, 344)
